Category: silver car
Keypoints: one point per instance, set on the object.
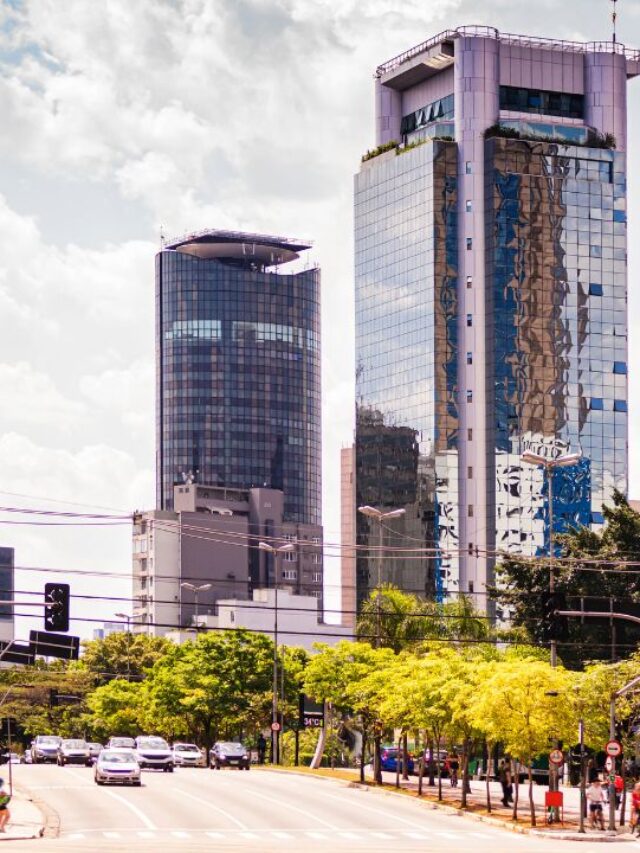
(74, 751)
(154, 752)
(45, 748)
(117, 767)
(188, 755)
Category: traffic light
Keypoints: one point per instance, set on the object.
(56, 611)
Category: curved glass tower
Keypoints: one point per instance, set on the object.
(238, 368)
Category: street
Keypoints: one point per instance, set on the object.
(199, 809)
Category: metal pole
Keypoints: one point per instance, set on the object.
(195, 606)
(378, 601)
(9, 747)
(582, 776)
(128, 648)
(612, 784)
(274, 706)
(552, 579)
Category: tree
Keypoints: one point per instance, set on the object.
(120, 708)
(122, 653)
(583, 577)
(524, 704)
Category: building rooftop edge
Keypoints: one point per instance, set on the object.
(222, 236)
(509, 38)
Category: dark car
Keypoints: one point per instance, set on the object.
(227, 754)
(389, 757)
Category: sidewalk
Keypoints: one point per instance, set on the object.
(26, 821)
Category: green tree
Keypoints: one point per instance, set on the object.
(120, 708)
(121, 654)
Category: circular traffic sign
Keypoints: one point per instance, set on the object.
(556, 756)
(610, 763)
(275, 727)
(613, 748)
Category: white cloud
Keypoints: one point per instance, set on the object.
(30, 398)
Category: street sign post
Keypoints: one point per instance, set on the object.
(556, 756)
(275, 727)
(610, 763)
(311, 714)
(613, 748)
(51, 645)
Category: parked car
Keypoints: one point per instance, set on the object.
(117, 767)
(388, 759)
(45, 748)
(188, 755)
(154, 752)
(14, 758)
(228, 754)
(121, 743)
(74, 751)
(26, 758)
(94, 750)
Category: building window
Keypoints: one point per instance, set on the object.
(542, 102)
(597, 518)
(290, 574)
(468, 206)
(316, 558)
(619, 405)
(468, 167)
(316, 577)
(290, 556)
(469, 319)
(470, 472)
(315, 540)
(597, 403)
(232, 616)
(469, 358)
(469, 282)
(469, 434)
(620, 367)
(595, 289)
(470, 511)
(470, 548)
(470, 586)
(469, 243)
(289, 537)
(469, 395)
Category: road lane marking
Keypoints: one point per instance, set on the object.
(453, 835)
(417, 834)
(137, 812)
(144, 834)
(250, 835)
(75, 836)
(293, 808)
(283, 835)
(350, 835)
(382, 835)
(317, 836)
(210, 805)
(111, 834)
(215, 835)
(480, 834)
(180, 834)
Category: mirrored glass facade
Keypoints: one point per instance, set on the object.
(406, 364)
(238, 378)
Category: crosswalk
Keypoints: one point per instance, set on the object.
(290, 835)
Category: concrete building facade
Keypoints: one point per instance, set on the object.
(491, 282)
(7, 586)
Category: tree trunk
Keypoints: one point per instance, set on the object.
(623, 803)
(432, 765)
(398, 762)
(466, 787)
(377, 768)
(488, 749)
(362, 754)
(532, 806)
(421, 776)
(405, 757)
(439, 766)
(316, 761)
(516, 778)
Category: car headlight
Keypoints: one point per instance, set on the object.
(222, 755)
(245, 756)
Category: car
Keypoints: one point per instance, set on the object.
(45, 748)
(14, 758)
(154, 752)
(26, 758)
(94, 750)
(121, 743)
(74, 751)
(118, 767)
(388, 759)
(188, 755)
(228, 754)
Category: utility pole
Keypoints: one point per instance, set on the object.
(196, 590)
(128, 620)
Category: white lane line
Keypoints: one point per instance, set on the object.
(215, 835)
(382, 835)
(350, 835)
(144, 834)
(111, 834)
(250, 835)
(210, 805)
(284, 836)
(479, 835)
(416, 835)
(75, 836)
(284, 804)
(179, 834)
(137, 812)
(453, 835)
(317, 836)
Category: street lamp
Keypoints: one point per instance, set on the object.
(276, 551)
(549, 465)
(128, 619)
(196, 590)
(379, 516)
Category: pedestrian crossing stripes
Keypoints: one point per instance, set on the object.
(289, 835)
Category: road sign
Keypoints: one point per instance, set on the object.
(311, 714)
(275, 727)
(54, 645)
(556, 756)
(613, 748)
(610, 763)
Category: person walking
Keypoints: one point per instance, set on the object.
(454, 766)
(595, 798)
(262, 748)
(504, 776)
(5, 814)
(635, 808)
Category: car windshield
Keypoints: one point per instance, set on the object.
(52, 740)
(74, 744)
(152, 743)
(121, 741)
(231, 747)
(186, 747)
(116, 757)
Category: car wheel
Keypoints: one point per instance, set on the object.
(170, 769)
(137, 784)
(247, 767)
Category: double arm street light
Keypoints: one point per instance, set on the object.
(379, 516)
(128, 619)
(276, 551)
(196, 590)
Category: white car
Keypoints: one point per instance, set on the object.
(188, 755)
(118, 767)
(74, 751)
(154, 752)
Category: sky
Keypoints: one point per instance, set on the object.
(123, 120)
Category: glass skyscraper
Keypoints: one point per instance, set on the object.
(238, 369)
(491, 277)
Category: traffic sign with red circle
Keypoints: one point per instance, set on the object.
(275, 727)
(556, 756)
(613, 748)
(610, 763)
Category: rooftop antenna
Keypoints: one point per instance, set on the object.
(162, 237)
(614, 15)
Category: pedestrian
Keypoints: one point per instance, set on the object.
(454, 766)
(262, 748)
(635, 808)
(619, 788)
(504, 775)
(5, 814)
(595, 798)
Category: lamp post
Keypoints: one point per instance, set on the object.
(549, 465)
(276, 551)
(128, 620)
(196, 590)
(379, 516)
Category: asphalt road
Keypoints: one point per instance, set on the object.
(200, 809)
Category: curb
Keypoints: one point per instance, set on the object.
(50, 818)
(453, 810)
